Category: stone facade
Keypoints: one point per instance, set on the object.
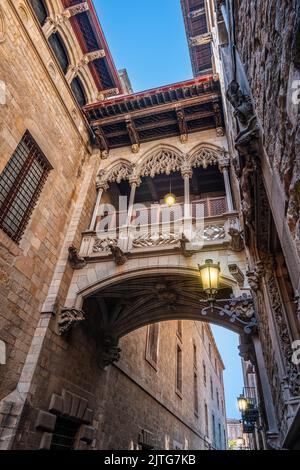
(71, 301)
(261, 79)
(150, 400)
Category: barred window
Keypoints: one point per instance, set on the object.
(20, 185)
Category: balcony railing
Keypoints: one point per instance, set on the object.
(159, 227)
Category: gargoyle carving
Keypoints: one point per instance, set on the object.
(184, 251)
(118, 254)
(75, 261)
(69, 317)
(244, 112)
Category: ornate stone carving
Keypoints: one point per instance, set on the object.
(166, 295)
(69, 318)
(74, 259)
(236, 234)
(255, 275)
(147, 239)
(246, 183)
(293, 212)
(121, 171)
(76, 9)
(248, 122)
(214, 232)
(204, 157)
(118, 254)
(102, 245)
(164, 160)
(292, 370)
(237, 274)
(108, 351)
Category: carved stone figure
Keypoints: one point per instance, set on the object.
(246, 188)
(244, 112)
(293, 212)
(69, 318)
(75, 260)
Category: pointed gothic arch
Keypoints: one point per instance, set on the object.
(163, 158)
(205, 154)
(116, 172)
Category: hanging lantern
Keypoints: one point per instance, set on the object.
(210, 277)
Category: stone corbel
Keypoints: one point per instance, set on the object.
(74, 259)
(118, 254)
(108, 351)
(68, 319)
(101, 140)
(246, 349)
(186, 253)
(237, 274)
(255, 276)
(133, 135)
(218, 118)
(183, 129)
(236, 234)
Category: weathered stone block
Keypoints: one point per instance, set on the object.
(45, 421)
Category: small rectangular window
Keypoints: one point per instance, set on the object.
(21, 182)
(196, 398)
(178, 369)
(152, 344)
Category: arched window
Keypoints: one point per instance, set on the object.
(78, 91)
(59, 50)
(41, 10)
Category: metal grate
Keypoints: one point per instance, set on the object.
(64, 434)
(20, 185)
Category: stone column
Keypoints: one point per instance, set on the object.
(187, 174)
(101, 187)
(125, 240)
(224, 168)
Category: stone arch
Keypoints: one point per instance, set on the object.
(117, 172)
(163, 158)
(148, 295)
(205, 154)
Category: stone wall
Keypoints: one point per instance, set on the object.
(149, 399)
(267, 34)
(38, 99)
(130, 396)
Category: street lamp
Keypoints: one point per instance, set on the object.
(237, 309)
(242, 404)
(210, 277)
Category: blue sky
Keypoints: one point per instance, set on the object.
(147, 37)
